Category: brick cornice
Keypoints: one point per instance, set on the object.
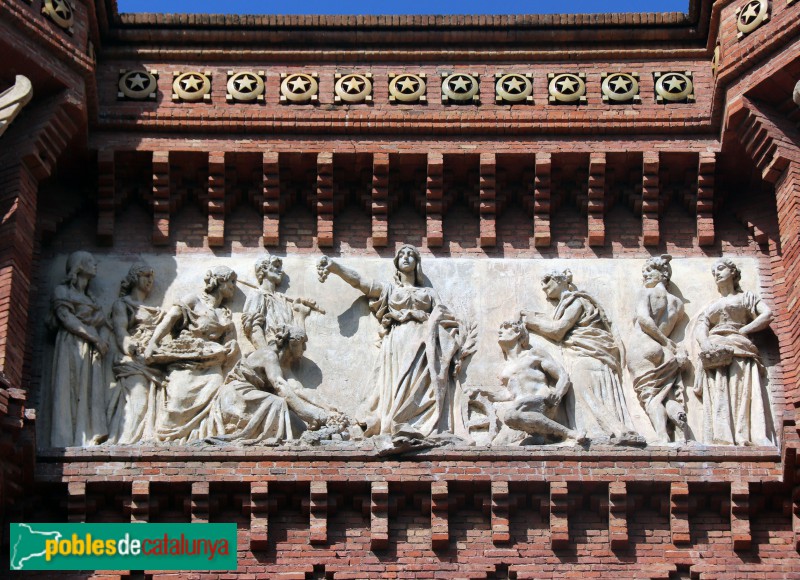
(41, 140)
(361, 32)
(44, 36)
(350, 122)
(771, 141)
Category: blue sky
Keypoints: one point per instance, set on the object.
(401, 6)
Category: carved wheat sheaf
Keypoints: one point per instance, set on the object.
(13, 99)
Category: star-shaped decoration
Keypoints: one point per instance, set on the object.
(353, 85)
(298, 85)
(750, 13)
(408, 85)
(674, 84)
(620, 84)
(137, 81)
(460, 84)
(514, 85)
(192, 83)
(62, 9)
(245, 83)
(567, 85)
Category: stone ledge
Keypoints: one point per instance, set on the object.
(595, 454)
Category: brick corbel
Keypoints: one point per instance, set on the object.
(216, 199)
(325, 199)
(139, 504)
(76, 501)
(379, 516)
(650, 198)
(706, 167)
(161, 197)
(597, 199)
(380, 200)
(679, 512)
(618, 514)
(260, 506)
(559, 515)
(500, 512)
(740, 515)
(541, 200)
(200, 502)
(105, 196)
(434, 200)
(488, 200)
(318, 512)
(440, 507)
(271, 204)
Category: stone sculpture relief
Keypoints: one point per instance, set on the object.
(255, 401)
(80, 376)
(133, 403)
(267, 310)
(12, 100)
(416, 394)
(187, 343)
(536, 384)
(593, 358)
(147, 374)
(654, 359)
(731, 379)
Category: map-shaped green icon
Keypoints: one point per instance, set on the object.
(28, 544)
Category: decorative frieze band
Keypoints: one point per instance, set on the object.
(410, 88)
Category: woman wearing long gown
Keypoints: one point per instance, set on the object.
(133, 409)
(731, 380)
(415, 394)
(260, 396)
(79, 377)
(592, 358)
(194, 358)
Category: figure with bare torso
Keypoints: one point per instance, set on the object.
(535, 383)
(654, 360)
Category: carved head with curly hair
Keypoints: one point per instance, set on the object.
(140, 275)
(220, 280)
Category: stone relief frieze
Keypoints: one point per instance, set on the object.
(379, 353)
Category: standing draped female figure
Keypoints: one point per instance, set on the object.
(79, 377)
(592, 358)
(731, 380)
(133, 409)
(416, 395)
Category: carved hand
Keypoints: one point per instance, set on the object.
(101, 345)
(681, 356)
(129, 346)
(304, 306)
(148, 352)
(698, 391)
